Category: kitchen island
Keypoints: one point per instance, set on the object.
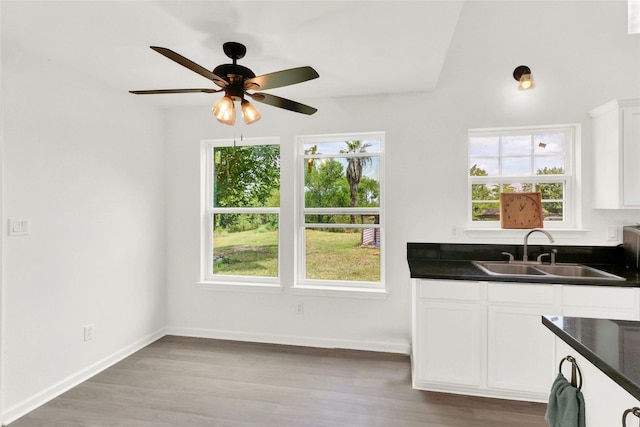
(607, 353)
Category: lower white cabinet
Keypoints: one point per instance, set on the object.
(487, 338)
(450, 318)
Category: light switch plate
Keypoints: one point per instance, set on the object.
(19, 226)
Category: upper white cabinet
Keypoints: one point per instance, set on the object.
(616, 142)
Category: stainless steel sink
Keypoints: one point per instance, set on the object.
(564, 271)
(576, 270)
(509, 269)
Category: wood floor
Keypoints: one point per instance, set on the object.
(179, 381)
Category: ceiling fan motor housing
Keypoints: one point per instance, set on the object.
(229, 71)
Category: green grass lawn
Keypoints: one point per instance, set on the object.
(331, 256)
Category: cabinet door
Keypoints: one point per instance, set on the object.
(631, 157)
(521, 351)
(448, 343)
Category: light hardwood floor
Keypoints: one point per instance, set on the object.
(180, 381)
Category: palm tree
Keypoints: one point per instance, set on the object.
(354, 169)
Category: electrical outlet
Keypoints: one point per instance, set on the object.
(612, 233)
(88, 332)
(300, 308)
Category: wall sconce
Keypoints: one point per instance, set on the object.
(523, 75)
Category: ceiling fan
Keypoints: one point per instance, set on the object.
(236, 81)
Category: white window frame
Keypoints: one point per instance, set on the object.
(222, 281)
(300, 226)
(571, 197)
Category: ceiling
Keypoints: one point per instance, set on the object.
(357, 47)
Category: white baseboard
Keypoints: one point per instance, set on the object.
(28, 405)
(387, 347)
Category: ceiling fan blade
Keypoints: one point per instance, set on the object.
(281, 78)
(190, 65)
(152, 92)
(287, 104)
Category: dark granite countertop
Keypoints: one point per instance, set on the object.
(453, 262)
(610, 345)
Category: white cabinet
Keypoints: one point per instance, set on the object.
(483, 338)
(616, 149)
(601, 302)
(605, 401)
(447, 335)
(520, 353)
(487, 338)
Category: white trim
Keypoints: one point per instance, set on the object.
(240, 286)
(28, 405)
(3, 224)
(296, 340)
(340, 291)
(337, 287)
(208, 280)
(571, 178)
(501, 233)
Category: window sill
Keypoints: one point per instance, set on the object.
(340, 291)
(565, 233)
(263, 288)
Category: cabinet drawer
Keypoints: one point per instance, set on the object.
(451, 290)
(521, 293)
(591, 300)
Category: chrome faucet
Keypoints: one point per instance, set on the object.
(525, 256)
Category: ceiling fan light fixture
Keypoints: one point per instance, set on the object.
(522, 74)
(224, 111)
(250, 114)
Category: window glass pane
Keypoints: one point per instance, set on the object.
(548, 144)
(247, 176)
(245, 244)
(342, 182)
(485, 211)
(483, 146)
(488, 166)
(551, 190)
(551, 165)
(553, 211)
(516, 166)
(520, 145)
(336, 147)
(517, 187)
(342, 254)
(342, 219)
(485, 192)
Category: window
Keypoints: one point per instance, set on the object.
(538, 159)
(242, 210)
(340, 219)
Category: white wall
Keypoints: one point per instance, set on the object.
(581, 57)
(85, 163)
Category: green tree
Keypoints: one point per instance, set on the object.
(552, 191)
(325, 186)
(354, 169)
(246, 176)
(482, 192)
(368, 192)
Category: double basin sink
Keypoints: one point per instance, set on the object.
(560, 270)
